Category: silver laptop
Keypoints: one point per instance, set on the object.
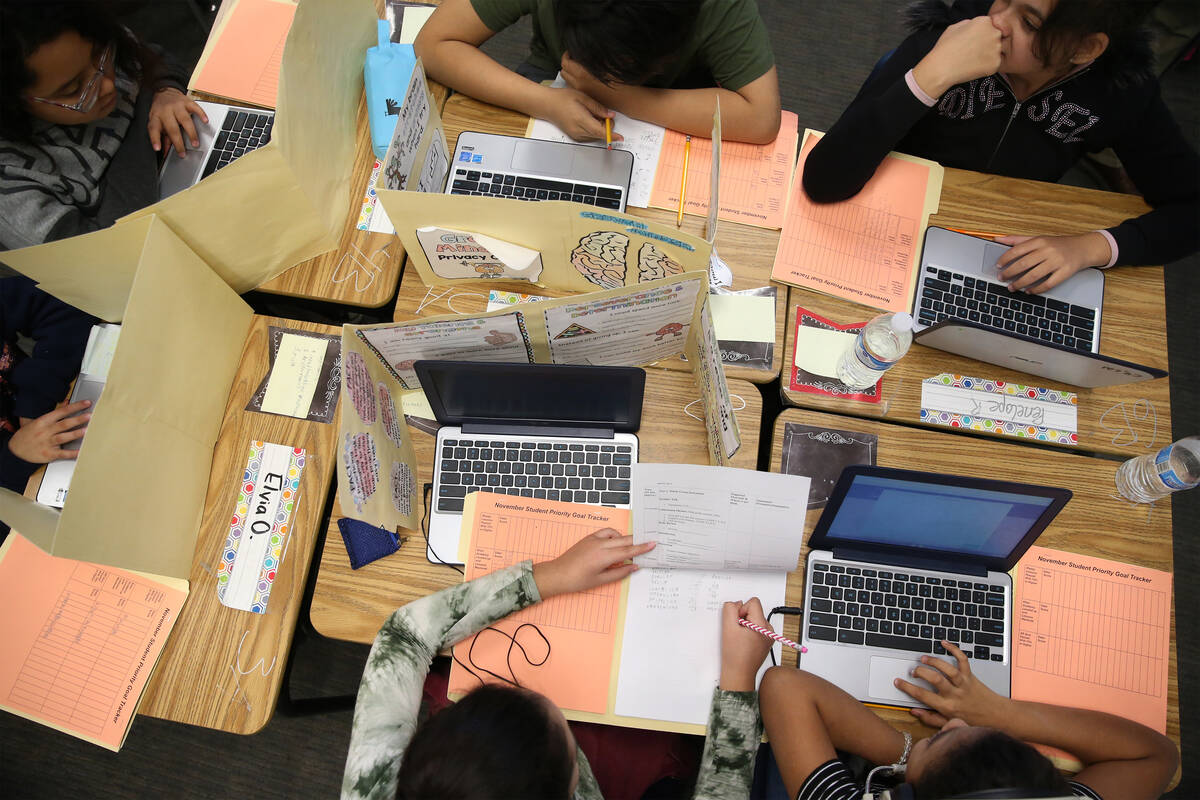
(550, 431)
(901, 560)
(533, 169)
(56, 480)
(230, 132)
(962, 307)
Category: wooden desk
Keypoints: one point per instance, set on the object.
(353, 604)
(1123, 420)
(1094, 522)
(749, 251)
(223, 668)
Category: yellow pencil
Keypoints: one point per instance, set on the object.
(687, 149)
(608, 132)
(980, 234)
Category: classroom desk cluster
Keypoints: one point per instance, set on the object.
(224, 669)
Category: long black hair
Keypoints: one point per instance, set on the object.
(991, 761)
(496, 743)
(26, 25)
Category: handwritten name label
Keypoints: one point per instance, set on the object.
(1000, 407)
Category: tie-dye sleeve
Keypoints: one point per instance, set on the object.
(734, 731)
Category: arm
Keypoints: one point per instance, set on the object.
(60, 334)
(807, 718)
(448, 46)
(888, 105)
(1122, 758)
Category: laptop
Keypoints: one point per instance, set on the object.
(961, 307)
(230, 132)
(551, 431)
(900, 560)
(533, 169)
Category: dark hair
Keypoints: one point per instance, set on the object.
(625, 41)
(26, 25)
(1071, 21)
(991, 761)
(498, 742)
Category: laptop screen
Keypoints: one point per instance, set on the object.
(901, 511)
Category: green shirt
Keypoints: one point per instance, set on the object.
(389, 697)
(729, 42)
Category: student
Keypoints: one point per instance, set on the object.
(505, 742)
(1024, 88)
(980, 744)
(84, 108)
(654, 60)
(32, 430)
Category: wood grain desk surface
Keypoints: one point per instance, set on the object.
(1094, 522)
(352, 604)
(1123, 420)
(749, 251)
(223, 668)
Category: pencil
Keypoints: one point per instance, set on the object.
(981, 234)
(687, 149)
(608, 132)
(770, 634)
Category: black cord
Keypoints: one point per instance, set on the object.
(512, 643)
(428, 489)
(788, 611)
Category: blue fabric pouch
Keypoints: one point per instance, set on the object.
(387, 70)
(366, 543)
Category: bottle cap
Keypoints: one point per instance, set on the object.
(902, 321)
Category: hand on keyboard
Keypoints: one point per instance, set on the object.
(957, 694)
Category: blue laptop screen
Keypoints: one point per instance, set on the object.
(953, 519)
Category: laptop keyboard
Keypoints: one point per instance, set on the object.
(905, 611)
(241, 132)
(597, 474)
(523, 188)
(947, 294)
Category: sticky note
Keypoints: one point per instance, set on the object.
(294, 375)
(743, 318)
(416, 404)
(411, 23)
(818, 350)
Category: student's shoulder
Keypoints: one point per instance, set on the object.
(499, 14)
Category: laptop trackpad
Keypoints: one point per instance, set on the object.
(884, 671)
(535, 156)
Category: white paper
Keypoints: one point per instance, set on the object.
(257, 528)
(463, 254)
(643, 139)
(671, 647)
(718, 518)
(294, 375)
(432, 177)
(101, 346)
(411, 23)
(743, 317)
(410, 126)
(725, 439)
(1000, 407)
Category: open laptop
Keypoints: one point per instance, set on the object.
(533, 169)
(230, 132)
(552, 431)
(900, 560)
(962, 307)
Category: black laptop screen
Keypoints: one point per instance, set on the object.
(930, 516)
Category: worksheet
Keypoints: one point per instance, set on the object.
(718, 518)
(412, 119)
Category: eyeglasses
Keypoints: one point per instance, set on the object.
(91, 91)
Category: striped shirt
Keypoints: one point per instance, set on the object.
(832, 781)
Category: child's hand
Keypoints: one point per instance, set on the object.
(40, 441)
(742, 650)
(1049, 260)
(578, 77)
(593, 561)
(957, 693)
(576, 114)
(170, 112)
(965, 51)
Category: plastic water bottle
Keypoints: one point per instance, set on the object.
(879, 345)
(1144, 479)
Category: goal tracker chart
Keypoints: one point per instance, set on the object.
(1091, 633)
(868, 248)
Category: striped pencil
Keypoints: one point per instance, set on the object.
(770, 634)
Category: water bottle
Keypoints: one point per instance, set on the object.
(879, 345)
(1144, 479)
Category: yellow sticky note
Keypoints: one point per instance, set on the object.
(294, 376)
(416, 404)
(818, 350)
(743, 318)
(411, 23)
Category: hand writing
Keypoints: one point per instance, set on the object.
(40, 441)
(742, 650)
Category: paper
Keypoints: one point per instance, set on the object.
(580, 628)
(724, 437)
(411, 23)
(813, 358)
(416, 404)
(242, 59)
(101, 347)
(1012, 409)
(819, 350)
(324, 399)
(501, 299)
(673, 620)
(743, 318)
(1091, 633)
(865, 249)
(435, 166)
(259, 529)
(714, 180)
(372, 217)
(754, 178)
(462, 254)
(822, 454)
(80, 640)
(293, 379)
(718, 518)
(411, 122)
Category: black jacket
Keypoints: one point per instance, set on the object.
(979, 125)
